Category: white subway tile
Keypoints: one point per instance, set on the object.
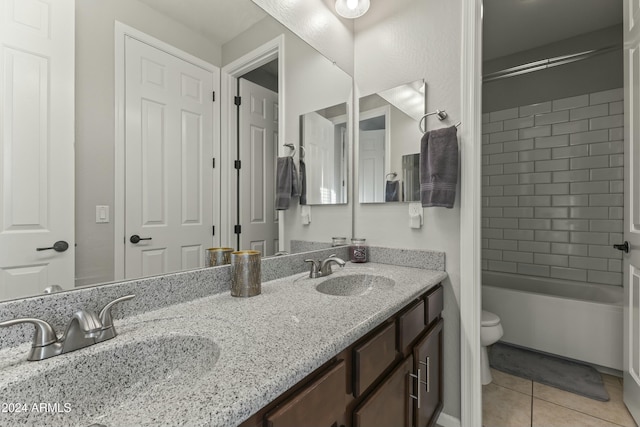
(589, 112)
(503, 222)
(520, 145)
(591, 187)
(616, 134)
(551, 118)
(485, 222)
(492, 191)
(535, 178)
(570, 127)
(589, 238)
(505, 267)
(503, 158)
(518, 212)
(533, 109)
(607, 174)
(589, 212)
(552, 236)
(508, 135)
(571, 224)
(612, 147)
(568, 152)
(606, 200)
(616, 212)
(552, 141)
(571, 176)
(492, 212)
(606, 122)
(522, 122)
(505, 245)
(608, 225)
(607, 278)
(552, 165)
(492, 127)
(503, 201)
(588, 263)
(519, 257)
(534, 132)
(606, 96)
(497, 148)
(504, 179)
(519, 190)
(510, 113)
(484, 264)
(492, 254)
(616, 186)
(548, 212)
(591, 162)
(485, 180)
(604, 251)
(523, 167)
(542, 189)
(518, 235)
(616, 107)
(485, 160)
(589, 137)
(568, 274)
(531, 246)
(492, 233)
(485, 118)
(615, 265)
(492, 170)
(569, 249)
(573, 200)
(535, 224)
(572, 102)
(533, 270)
(485, 139)
(534, 201)
(616, 160)
(549, 259)
(527, 156)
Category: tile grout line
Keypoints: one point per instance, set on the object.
(574, 410)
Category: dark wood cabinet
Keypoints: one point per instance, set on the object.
(390, 377)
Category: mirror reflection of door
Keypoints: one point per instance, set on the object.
(258, 150)
(36, 147)
(169, 176)
(373, 158)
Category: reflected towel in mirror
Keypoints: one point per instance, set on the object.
(303, 183)
(392, 191)
(439, 167)
(287, 182)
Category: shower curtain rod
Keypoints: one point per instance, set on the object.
(543, 64)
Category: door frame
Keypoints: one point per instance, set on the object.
(121, 32)
(273, 49)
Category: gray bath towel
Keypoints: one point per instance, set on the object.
(287, 184)
(439, 167)
(303, 183)
(392, 191)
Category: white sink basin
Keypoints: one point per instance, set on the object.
(355, 285)
(95, 385)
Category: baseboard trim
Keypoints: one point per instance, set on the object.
(445, 420)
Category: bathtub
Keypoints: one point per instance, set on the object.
(576, 320)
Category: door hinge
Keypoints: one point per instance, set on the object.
(213, 165)
(213, 230)
(214, 96)
(237, 164)
(237, 100)
(237, 229)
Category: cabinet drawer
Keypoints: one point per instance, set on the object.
(321, 403)
(410, 325)
(434, 304)
(371, 358)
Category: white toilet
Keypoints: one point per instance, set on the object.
(490, 332)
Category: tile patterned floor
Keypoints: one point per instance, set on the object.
(511, 401)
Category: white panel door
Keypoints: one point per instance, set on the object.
(371, 177)
(258, 150)
(319, 152)
(631, 280)
(36, 145)
(168, 161)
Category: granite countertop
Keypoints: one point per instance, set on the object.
(214, 361)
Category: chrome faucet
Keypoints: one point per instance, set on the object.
(84, 329)
(323, 268)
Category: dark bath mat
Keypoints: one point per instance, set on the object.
(564, 374)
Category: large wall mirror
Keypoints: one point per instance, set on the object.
(389, 144)
(212, 35)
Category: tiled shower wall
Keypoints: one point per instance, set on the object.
(552, 188)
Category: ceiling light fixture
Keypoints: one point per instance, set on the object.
(352, 8)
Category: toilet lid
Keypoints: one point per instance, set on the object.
(489, 319)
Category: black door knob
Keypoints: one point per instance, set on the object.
(135, 238)
(623, 247)
(59, 246)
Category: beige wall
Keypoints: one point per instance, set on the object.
(423, 40)
(95, 117)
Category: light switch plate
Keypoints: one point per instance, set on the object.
(102, 214)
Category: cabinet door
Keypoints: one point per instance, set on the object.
(428, 360)
(321, 403)
(389, 404)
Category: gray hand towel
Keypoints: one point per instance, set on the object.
(303, 183)
(392, 191)
(439, 167)
(287, 184)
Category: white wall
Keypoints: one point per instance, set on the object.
(423, 40)
(312, 83)
(95, 121)
(317, 24)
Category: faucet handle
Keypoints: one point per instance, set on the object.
(44, 335)
(105, 313)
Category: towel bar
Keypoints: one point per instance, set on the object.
(293, 147)
(441, 114)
